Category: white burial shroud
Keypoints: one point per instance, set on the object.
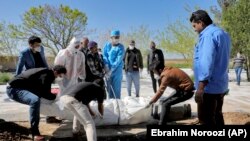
(126, 111)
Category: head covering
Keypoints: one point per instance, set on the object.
(73, 43)
(132, 42)
(115, 33)
(92, 44)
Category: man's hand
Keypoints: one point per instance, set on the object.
(199, 92)
(148, 105)
(199, 96)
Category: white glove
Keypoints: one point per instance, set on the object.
(148, 105)
(106, 69)
(94, 116)
(100, 115)
(108, 74)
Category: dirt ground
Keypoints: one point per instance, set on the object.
(18, 131)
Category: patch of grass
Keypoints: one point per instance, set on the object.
(5, 77)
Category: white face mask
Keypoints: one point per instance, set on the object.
(157, 77)
(131, 47)
(115, 41)
(38, 49)
(238, 55)
(58, 79)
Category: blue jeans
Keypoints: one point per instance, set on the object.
(238, 71)
(133, 76)
(28, 98)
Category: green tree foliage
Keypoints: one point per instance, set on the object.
(236, 21)
(178, 38)
(56, 26)
(142, 36)
(8, 43)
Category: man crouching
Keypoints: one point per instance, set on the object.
(77, 98)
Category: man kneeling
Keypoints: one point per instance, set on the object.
(177, 79)
(77, 98)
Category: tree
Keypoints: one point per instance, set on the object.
(55, 25)
(236, 21)
(142, 36)
(8, 43)
(217, 11)
(178, 38)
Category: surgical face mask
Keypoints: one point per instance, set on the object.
(115, 41)
(58, 79)
(152, 47)
(131, 47)
(157, 77)
(37, 49)
(238, 55)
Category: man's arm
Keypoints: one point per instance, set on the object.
(161, 57)
(119, 58)
(43, 55)
(105, 54)
(100, 108)
(207, 55)
(140, 60)
(47, 80)
(82, 70)
(163, 86)
(20, 64)
(90, 111)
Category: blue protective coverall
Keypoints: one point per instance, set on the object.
(113, 59)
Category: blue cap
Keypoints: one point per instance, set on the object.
(115, 33)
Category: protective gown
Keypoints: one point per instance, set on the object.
(74, 62)
(113, 60)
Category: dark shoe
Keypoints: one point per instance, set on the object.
(53, 120)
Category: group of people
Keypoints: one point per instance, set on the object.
(83, 74)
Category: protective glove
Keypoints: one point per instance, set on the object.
(108, 74)
(100, 115)
(148, 105)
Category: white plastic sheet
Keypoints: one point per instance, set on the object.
(127, 111)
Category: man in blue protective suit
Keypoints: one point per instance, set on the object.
(113, 53)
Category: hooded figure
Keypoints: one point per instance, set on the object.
(74, 61)
(113, 53)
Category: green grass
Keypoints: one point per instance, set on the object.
(5, 77)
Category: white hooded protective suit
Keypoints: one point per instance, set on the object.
(74, 61)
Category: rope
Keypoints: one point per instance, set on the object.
(119, 112)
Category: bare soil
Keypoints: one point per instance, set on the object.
(19, 131)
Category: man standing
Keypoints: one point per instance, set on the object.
(84, 46)
(95, 73)
(211, 59)
(178, 80)
(29, 86)
(113, 54)
(74, 61)
(155, 60)
(133, 63)
(34, 57)
(239, 61)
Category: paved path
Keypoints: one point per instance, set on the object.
(238, 100)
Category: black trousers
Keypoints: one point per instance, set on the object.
(178, 97)
(211, 109)
(154, 81)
